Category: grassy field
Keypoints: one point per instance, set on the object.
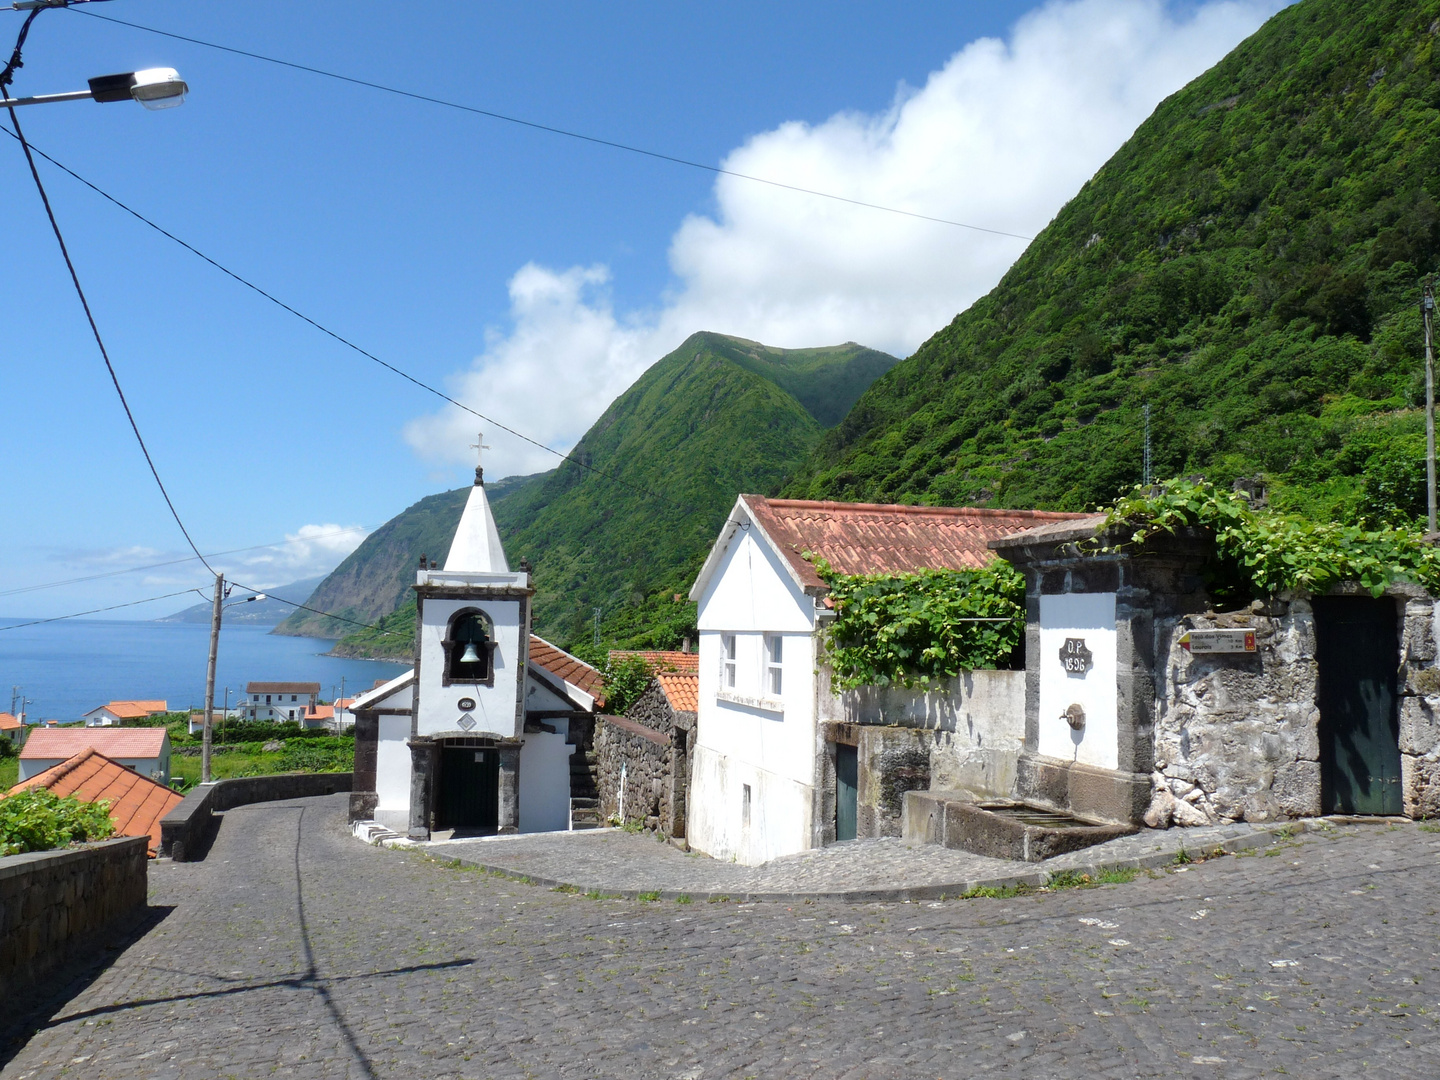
(9, 772)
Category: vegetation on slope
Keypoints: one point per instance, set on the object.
(1248, 265)
(717, 416)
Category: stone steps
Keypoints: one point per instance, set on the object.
(585, 813)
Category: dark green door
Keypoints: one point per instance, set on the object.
(1358, 650)
(469, 788)
(847, 768)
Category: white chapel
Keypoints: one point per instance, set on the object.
(488, 731)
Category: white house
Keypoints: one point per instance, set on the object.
(768, 776)
(146, 750)
(112, 713)
(280, 701)
(481, 734)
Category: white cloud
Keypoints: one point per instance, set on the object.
(308, 552)
(1001, 136)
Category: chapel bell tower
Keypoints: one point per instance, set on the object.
(471, 648)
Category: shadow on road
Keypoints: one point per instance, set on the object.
(36, 1006)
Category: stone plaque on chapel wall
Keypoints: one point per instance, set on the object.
(1075, 657)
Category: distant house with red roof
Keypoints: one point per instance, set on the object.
(764, 769)
(112, 713)
(144, 749)
(136, 803)
(660, 659)
(12, 728)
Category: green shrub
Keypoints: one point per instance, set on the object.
(39, 820)
(911, 629)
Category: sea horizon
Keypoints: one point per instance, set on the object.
(72, 666)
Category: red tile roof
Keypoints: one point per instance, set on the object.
(137, 803)
(567, 668)
(63, 743)
(682, 689)
(661, 659)
(867, 538)
(9, 721)
(133, 710)
(320, 712)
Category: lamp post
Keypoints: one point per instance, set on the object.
(205, 739)
(155, 88)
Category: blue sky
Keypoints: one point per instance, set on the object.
(533, 275)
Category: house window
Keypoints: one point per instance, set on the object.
(267, 699)
(745, 806)
(774, 645)
(727, 661)
(292, 697)
(470, 649)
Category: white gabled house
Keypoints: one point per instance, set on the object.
(771, 774)
(483, 733)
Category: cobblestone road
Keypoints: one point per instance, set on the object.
(294, 950)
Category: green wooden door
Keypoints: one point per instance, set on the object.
(469, 788)
(847, 769)
(1358, 650)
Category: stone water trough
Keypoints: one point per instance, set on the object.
(1000, 828)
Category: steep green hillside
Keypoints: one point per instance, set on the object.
(717, 416)
(1248, 264)
(376, 577)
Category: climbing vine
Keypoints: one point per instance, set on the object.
(1260, 552)
(912, 629)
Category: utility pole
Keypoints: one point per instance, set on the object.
(1147, 444)
(1427, 310)
(210, 679)
(597, 628)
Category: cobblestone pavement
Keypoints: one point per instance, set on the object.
(615, 862)
(295, 951)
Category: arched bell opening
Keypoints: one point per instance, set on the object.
(469, 648)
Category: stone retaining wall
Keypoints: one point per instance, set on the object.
(651, 743)
(54, 903)
(184, 830)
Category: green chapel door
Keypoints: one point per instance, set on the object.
(469, 796)
(1358, 653)
(847, 771)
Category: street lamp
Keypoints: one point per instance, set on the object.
(155, 88)
(220, 593)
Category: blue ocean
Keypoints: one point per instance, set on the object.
(68, 668)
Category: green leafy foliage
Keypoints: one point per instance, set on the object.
(626, 678)
(912, 629)
(1261, 552)
(1248, 264)
(39, 820)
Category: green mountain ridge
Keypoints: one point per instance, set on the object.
(1247, 264)
(625, 526)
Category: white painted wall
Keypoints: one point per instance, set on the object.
(495, 706)
(540, 698)
(747, 735)
(1090, 616)
(155, 768)
(544, 783)
(392, 770)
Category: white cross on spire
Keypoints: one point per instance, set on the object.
(479, 446)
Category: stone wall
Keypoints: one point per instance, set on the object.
(963, 734)
(651, 742)
(1419, 686)
(1237, 734)
(54, 903)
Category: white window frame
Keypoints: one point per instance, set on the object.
(774, 675)
(729, 652)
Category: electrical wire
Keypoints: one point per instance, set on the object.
(96, 611)
(550, 129)
(173, 562)
(317, 611)
(19, 134)
(342, 340)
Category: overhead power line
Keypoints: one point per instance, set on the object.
(581, 463)
(96, 611)
(552, 130)
(19, 134)
(317, 611)
(174, 562)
